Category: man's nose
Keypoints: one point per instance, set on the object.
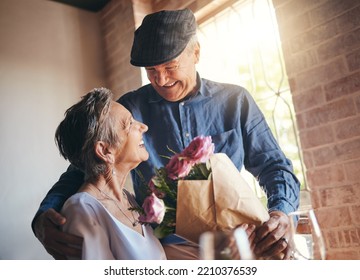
(161, 78)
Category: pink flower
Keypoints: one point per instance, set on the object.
(154, 210)
(154, 189)
(199, 150)
(178, 167)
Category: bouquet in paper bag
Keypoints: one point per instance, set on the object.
(199, 191)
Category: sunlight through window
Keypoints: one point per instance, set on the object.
(241, 45)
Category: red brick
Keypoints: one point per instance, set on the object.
(343, 86)
(339, 195)
(309, 99)
(114, 63)
(295, 8)
(307, 158)
(111, 43)
(352, 171)
(338, 45)
(117, 21)
(347, 128)
(301, 61)
(300, 121)
(355, 213)
(357, 102)
(123, 44)
(341, 238)
(333, 111)
(285, 46)
(315, 198)
(350, 19)
(112, 10)
(294, 26)
(342, 254)
(169, 5)
(326, 177)
(126, 20)
(331, 9)
(337, 153)
(319, 75)
(292, 84)
(331, 239)
(316, 137)
(353, 60)
(314, 36)
(354, 237)
(334, 217)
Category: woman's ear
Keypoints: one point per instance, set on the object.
(104, 152)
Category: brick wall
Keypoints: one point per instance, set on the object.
(321, 44)
(118, 26)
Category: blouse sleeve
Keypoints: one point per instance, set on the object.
(82, 220)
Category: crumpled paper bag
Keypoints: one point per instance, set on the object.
(222, 203)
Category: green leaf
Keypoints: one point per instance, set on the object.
(163, 231)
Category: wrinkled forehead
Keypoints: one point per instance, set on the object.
(118, 111)
(172, 62)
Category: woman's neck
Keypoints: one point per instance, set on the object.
(111, 184)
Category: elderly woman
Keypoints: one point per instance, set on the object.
(100, 137)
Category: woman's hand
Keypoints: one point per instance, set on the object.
(58, 244)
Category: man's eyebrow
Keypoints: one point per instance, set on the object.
(175, 61)
(167, 64)
(171, 65)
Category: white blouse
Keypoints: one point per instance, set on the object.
(105, 237)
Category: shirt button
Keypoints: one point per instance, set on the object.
(187, 134)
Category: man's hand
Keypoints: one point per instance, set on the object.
(250, 232)
(272, 238)
(57, 243)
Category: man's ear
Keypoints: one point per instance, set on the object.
(104, 152)
(197, 52)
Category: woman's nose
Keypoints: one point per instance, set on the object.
(143, 127)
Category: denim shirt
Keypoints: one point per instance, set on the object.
(228, 114)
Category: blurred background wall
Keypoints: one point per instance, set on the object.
(50, 55)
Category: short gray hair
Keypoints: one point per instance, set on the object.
(86, 123)
(193, 41)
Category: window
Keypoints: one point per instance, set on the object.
(241, 45)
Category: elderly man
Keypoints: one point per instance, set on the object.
(177, 106)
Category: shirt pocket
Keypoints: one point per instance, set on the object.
(230, 143)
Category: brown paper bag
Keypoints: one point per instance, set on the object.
(221, 203)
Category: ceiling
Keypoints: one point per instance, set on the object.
(89, 5)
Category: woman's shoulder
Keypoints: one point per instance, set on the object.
(81, 202)
(79, 198)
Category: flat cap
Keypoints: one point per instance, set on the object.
(162, 36)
